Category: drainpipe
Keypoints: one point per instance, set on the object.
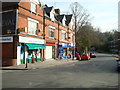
(58, 40)
(67, 39)
(43, 33)
(13, 46)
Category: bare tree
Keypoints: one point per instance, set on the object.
(81, 18)
(80, 15)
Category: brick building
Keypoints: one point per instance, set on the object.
(34, 32)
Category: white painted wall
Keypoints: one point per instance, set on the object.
(63, 21)
(18, 55)
(52, 15)
(71, 23)
(26, 53)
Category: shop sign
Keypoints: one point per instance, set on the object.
(31, 40)
(63, 44)
(50, 43)
(24, 29)
(69, 44)
(6, 39)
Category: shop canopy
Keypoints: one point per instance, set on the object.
(36, 46)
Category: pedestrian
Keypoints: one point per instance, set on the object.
(69, 54)
(73, 55)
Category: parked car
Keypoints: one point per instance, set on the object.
(78, 57)
(92, 55)
(85, 57)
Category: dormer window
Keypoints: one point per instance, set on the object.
(33, 7)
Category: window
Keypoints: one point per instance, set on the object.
(71, 37)
(63, 35)
(33, 7)
(51, 32)
(32, 26)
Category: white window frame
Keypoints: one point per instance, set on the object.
(51, 29)
(33, 7)
(63, 35)
(31, 28)
(71, 37)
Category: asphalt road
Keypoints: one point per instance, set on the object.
(99, 72)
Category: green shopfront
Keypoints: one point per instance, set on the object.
(30, 50)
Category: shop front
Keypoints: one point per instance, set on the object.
(65, 50)
(30, 49)
(50, 50)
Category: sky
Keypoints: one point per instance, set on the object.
(104, 13)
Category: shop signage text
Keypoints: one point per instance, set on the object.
(31, 40)
(6, 39)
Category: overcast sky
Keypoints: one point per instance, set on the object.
(104, 12)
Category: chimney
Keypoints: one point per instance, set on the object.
(57, 11)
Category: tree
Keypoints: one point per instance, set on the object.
(81, 18)
(84, 37)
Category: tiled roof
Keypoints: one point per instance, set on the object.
(68, 19)
(48, 9)
(59, 17)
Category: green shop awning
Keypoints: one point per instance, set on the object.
(36, 46)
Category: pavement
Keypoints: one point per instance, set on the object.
(37, 65)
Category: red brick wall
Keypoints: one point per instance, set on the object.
(23, 13)
(23, 20)
(9, 52)
(7, 49)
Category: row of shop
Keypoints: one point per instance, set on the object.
(32, 50)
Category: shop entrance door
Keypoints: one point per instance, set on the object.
(48, 52)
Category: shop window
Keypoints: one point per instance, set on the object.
(51, 32)
(33, 7)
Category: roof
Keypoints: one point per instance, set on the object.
(68, 19)
(48, 9)
(59, 17)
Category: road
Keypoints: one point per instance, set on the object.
(99, 72)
